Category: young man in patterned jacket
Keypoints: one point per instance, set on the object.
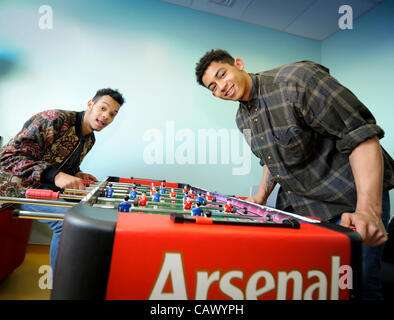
(317, 141)
(49, 149)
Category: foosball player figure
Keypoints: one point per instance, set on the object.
(163, 188)
(133, 193)
(208, 197)
(197, 211)
(187, 204)
(143, 199)
(152, 189)
(156, 197)
(125, 205)
(192, 195)
(133, 185)
(185, 196)
(185, 190)
(200, 198)
(173, 195)
(228, 207)
(109, 191)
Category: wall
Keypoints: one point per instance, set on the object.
(147, 50)
(362, 59)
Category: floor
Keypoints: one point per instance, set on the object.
(24, 282)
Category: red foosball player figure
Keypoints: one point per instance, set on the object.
(208, 197)
(173, 195)
(142, 200)
(192, 195)
(228, 207)
(185, 190)
(152, 189)
(187, 205)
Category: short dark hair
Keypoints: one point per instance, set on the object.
(114, 94)
(217, 55)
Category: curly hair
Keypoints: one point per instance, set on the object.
(114, 94)
(217, 55)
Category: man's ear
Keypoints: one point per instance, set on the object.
(90, 104)
(238, 63)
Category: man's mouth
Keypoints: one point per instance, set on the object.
(100, 123)
(230, 92)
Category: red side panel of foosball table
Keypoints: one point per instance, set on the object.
(142, 241)
(148, 182)
(14, 234)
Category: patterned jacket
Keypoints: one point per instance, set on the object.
(46, 142)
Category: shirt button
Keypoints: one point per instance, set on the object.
(262, 138)
(269, 157)
(277, 175)
(255, 120)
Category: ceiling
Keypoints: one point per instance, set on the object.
(313, 19)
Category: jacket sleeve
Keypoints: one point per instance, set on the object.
(21, 157)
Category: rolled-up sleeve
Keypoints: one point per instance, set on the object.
(333, 110)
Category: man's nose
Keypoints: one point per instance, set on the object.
(105, 115)
(222, 86)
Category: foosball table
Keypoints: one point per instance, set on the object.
(114, 247)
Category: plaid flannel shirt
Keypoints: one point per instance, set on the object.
(304, 125)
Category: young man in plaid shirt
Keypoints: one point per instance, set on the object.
(317, 141)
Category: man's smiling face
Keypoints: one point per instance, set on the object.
(100, 114)
(228, 82)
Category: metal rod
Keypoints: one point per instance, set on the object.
(37, 202)
(37, 215)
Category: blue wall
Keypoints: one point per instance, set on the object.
(147, 50)
(363, 60)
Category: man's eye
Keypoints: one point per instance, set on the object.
(213, 88)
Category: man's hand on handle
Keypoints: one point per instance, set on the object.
(66, 181)
(368, 225)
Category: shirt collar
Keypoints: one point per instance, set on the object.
(254, 92)
(78, 126)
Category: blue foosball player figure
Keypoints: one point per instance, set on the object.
(133, 194)
(109, 191)
(156, 197)
(163, 188)
(125, 205)
(200, 198)
(185, 196)
(197, 211)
